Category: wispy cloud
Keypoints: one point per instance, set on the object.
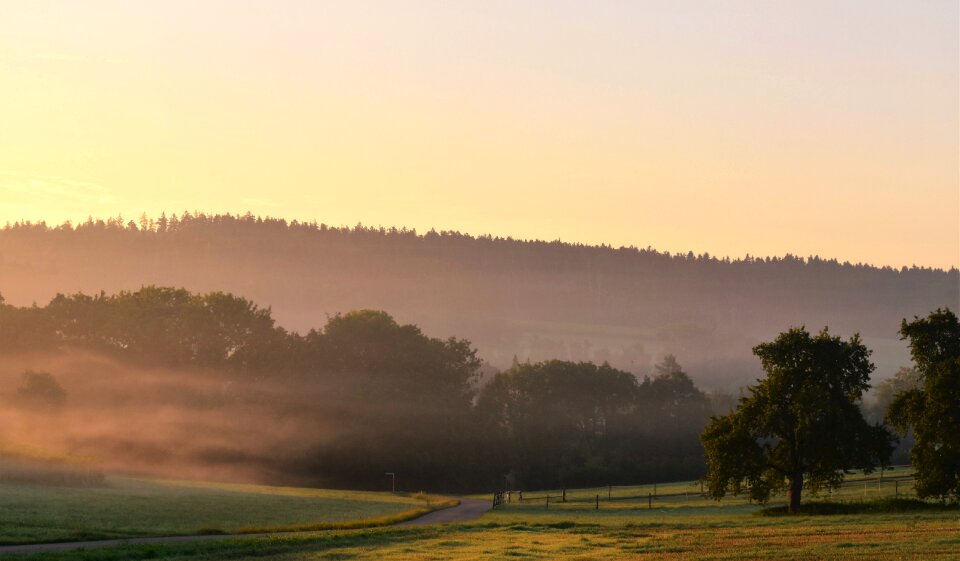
(37, 190)
(66, 57)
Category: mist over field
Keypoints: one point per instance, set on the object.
(526, 299)
(162, 382)
(139, 419)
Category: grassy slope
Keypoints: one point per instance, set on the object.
(149, 507)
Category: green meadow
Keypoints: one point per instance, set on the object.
(863, 521)
(682, 533)
(125, 507)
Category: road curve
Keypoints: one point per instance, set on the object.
(466, 511)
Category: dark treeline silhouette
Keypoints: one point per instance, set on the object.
(623, 306)
(168, 381)
(561, 424)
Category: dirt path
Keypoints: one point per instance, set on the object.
(466, 511)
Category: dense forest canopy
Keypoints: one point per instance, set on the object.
(163, 380)
(535, 300)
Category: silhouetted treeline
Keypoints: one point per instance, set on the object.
(559, 424)
(170, 381)
(532, 299)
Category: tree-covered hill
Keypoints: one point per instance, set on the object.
(530, 299)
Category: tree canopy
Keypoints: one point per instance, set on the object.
(562, 423)
(801, 425)
(361, 395)
(932, 409)
(365, 394)
(40, 390)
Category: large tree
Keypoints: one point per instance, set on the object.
(393, 400)
(172, 327)
(559, 422)
(671, 403)
(932, 410)
(801, 426)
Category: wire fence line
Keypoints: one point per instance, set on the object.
(884, 484)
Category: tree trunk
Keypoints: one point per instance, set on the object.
(796, 486)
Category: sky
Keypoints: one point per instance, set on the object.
(734, 128)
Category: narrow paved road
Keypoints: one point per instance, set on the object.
(466, 511)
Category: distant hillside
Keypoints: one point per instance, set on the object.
(529, 299)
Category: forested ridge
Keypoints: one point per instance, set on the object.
(535, 300)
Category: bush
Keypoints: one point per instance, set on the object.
(40, 390)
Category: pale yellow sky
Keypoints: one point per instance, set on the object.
(827, 128)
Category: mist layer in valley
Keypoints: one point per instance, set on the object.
(167, 382)
(536, 364)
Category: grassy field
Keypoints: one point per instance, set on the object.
(681, 528)
(125, 507)
(682, 533)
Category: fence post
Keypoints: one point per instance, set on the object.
(563, 497)
(546, 505)
(521, 497)
(609, 489)
(598, 503)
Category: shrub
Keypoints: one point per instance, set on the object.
(40, 390)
